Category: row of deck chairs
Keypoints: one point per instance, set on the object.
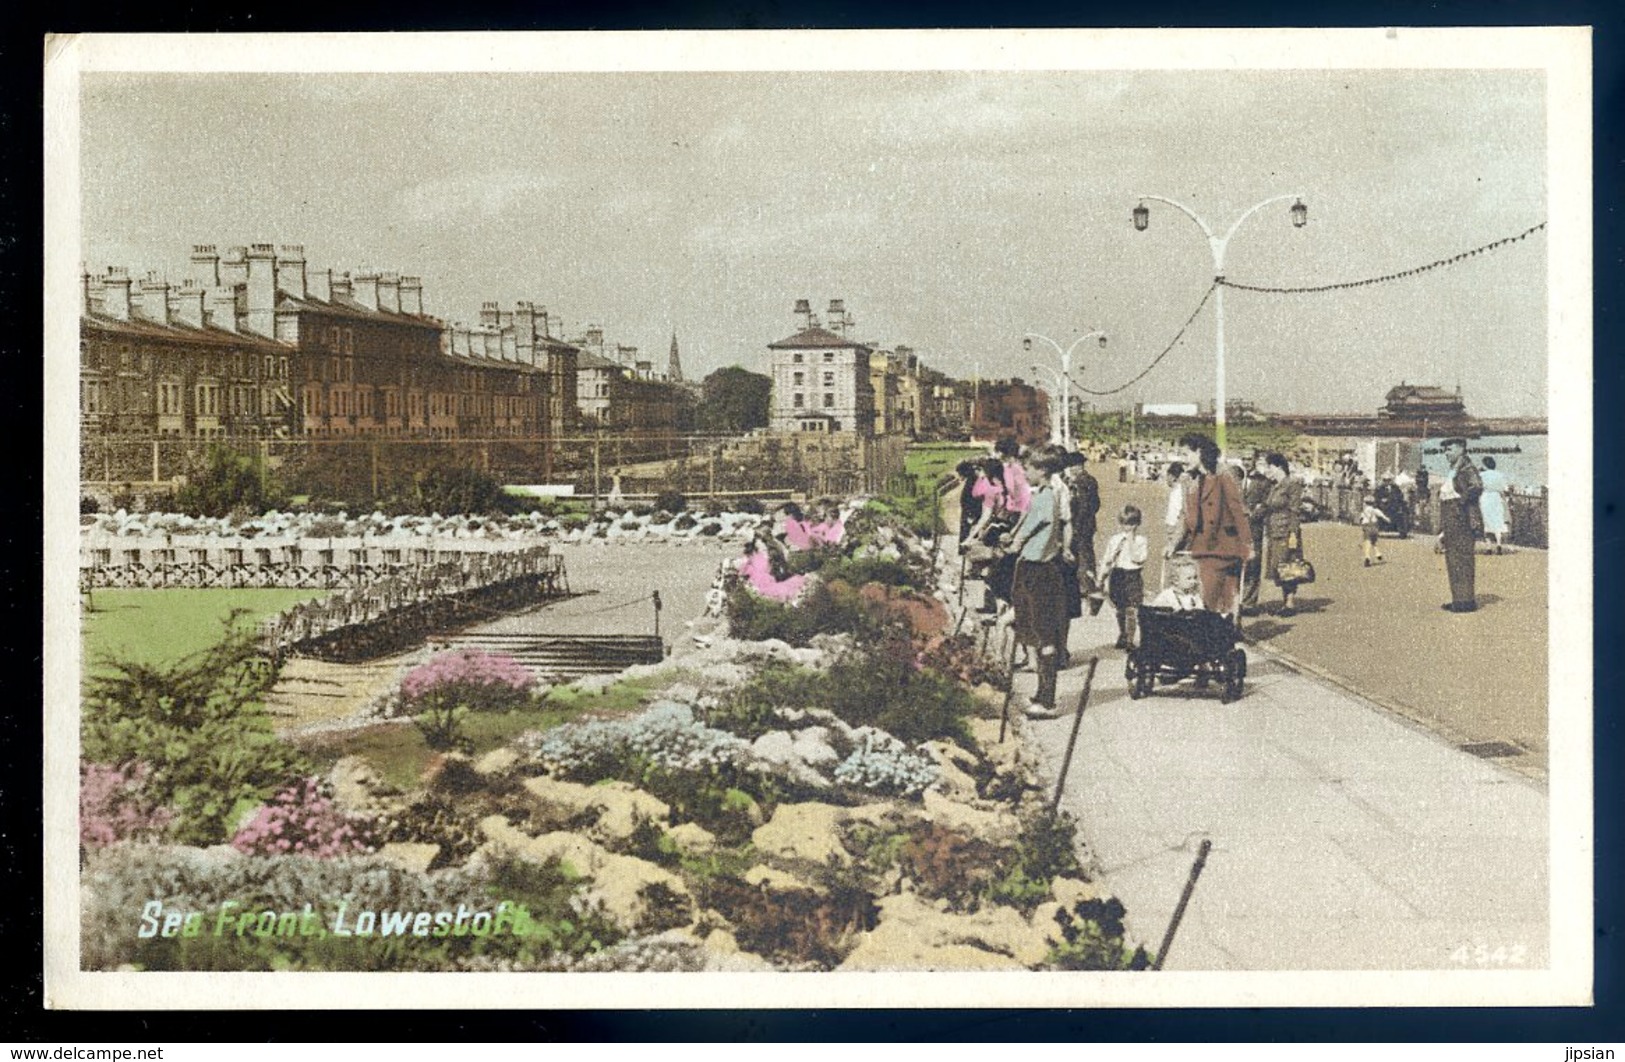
(300, 563)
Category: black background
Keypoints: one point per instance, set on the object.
(22, 1017)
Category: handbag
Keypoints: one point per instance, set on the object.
(1296, 568)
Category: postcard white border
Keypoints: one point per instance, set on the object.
(1562, 53)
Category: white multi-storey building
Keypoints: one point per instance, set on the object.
(820, 377)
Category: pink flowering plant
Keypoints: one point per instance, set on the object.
(115, 806)
(302, 819)
(481, 681)
(437, 694)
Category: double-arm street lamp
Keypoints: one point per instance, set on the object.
(1061, 432)
(1142, 218)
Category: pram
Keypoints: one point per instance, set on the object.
(1179, 644)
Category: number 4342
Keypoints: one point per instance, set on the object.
(1484, 955)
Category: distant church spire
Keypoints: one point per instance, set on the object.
(674, 370)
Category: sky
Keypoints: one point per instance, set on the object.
(953, 211)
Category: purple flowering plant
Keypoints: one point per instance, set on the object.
(115, 806)
(302, 819)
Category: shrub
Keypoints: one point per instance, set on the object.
(114, 805)
(877, 684)
(876, 569)
(434, 820)
(303, 820)
(881, 686)
(1092, 932)
(796, 926)
(480, 681)
(948, 865)
(199, 727)
(440, 693)
(451, 490)
(1044, 851)
(229, 480)
(752, 709)
(959, 658)
(670, 501)
(706, 775)
(88, 506)
(824, 608)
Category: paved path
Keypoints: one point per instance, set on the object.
(616, 580)
(1343, 836)
(1380, 632)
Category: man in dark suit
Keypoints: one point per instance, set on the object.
(1085, 493)
(1460, 524)
(1254, 489)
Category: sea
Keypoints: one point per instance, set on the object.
(1521, 457)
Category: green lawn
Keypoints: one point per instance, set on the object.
(930, 461)
(163, 626)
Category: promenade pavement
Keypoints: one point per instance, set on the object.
(1344, 836)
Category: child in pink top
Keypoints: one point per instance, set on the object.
(831, 529)
(1018, 493)
(757, 571)
(799, 532)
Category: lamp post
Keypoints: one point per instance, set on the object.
(1217, 244)
(1064, 427)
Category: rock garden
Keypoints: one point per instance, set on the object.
(814, 785)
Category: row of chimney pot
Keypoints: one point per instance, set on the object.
(237, 292)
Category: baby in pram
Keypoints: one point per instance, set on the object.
(1184, 591)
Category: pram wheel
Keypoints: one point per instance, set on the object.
(1235, 673)
(1131, 672)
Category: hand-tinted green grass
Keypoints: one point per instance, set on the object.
(163, 626)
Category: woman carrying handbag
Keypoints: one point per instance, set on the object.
(1283, 542)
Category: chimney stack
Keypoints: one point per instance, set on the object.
(489, 315)
(803, 310)
(524, 327)
(262, 290)
(223, 309)
(116, 293)
(510, 345)
(320, 285)
(412, 296)
(90, 292)
(233, 268)
(837, 316)
(155, 299)
(290, 270)
(187, 304)
(206, 264)
(366, 290)
(389, 292)
(342, 288)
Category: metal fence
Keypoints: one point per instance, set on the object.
(1526, 510)
(363, 471)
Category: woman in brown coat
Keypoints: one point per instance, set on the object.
(1216, 531)
(1280, 512)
